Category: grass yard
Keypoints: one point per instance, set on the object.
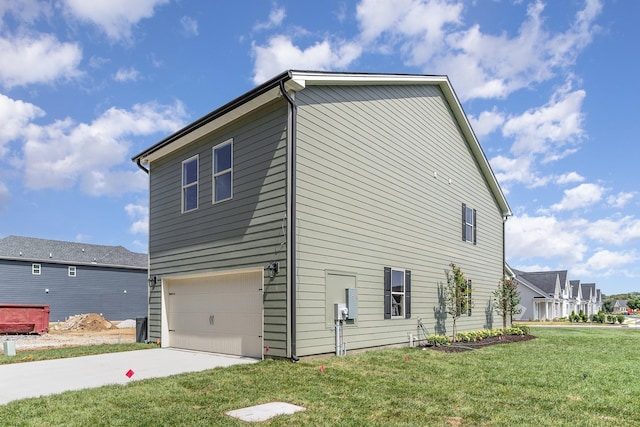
(65, 352)
(565, 377)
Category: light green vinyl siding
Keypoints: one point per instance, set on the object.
(367, 198)
(244, 232)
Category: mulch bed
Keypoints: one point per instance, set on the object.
(466, 346)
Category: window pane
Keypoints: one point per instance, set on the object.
(469, 234)
(190, 172)
(190, 197)
(222, 158)
(397, 281)
(223, 187)
(469, 216)
(396, 305)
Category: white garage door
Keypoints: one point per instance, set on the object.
(219, 314)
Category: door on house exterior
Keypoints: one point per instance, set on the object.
(221, 313)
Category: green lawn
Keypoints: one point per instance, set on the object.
(565, 377)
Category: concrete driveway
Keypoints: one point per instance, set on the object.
(34, 379)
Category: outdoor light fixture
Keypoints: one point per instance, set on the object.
(153, 280)
(273, 268)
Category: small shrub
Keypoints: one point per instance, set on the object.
(438, 340)
(620, 318)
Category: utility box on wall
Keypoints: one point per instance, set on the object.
(352, 303)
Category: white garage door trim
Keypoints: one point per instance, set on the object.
(216, 312)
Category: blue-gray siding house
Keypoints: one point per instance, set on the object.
(73, 278)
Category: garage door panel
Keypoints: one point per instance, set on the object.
(222, 313)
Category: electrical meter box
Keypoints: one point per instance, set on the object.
(352, 303)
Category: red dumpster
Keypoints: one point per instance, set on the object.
(24, 319)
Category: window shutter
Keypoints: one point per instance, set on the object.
(464, 222)
(407, 294)
(469, 299)
(387, 292)
(475, 228)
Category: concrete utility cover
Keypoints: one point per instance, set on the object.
(265, 411)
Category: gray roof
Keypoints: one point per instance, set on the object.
(588, 290)
(575, 286)
(544, 280)
(60, 252)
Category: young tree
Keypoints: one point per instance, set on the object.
(506, 299)
(456, 295)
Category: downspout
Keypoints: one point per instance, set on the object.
(139, 163)
(292, 220)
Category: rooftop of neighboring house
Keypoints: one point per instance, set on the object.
(544, 280)
(60, 252)
(575, 287)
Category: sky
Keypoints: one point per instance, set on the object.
(549, 89)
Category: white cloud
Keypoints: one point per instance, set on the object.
(431, 34)
(276, 16)
(281, 54)
(579, 197)
(417, 26)
(189, 26)
(545, 130)
(44, 59)
(115, 17)
(544, 237)
(569, 178)
(487, 122)
(517, 169)
(614, 232)
(25, 11)
(139, 214)
(65, 154)
(620, 200)
(14, 117)
(127, 75)
(607, 260)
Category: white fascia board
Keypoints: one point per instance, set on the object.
(214, 124)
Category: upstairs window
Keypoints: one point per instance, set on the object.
(36, 269)
(469, 232)
(190, 184)
(72, 271)
(397, 293)
(223, 171)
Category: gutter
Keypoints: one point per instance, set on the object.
(292, 220)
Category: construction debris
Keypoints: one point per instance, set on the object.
(87, 322)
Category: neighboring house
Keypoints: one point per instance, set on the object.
(73, 278)
(548, 295)
(620, 306)
(593, 298)
(314, 189)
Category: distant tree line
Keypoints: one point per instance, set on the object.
(633, 301)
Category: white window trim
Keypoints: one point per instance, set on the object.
(196, 183)
(72, 271)
(215, 175)
(36, 269)
(403, 293)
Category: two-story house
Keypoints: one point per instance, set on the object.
(316, 189)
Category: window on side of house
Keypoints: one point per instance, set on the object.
(72, 271)
(469, 224)
(36, 269)
(223, 171)
(397, 293)
(190, 184)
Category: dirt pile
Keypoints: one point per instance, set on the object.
(87, 322)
